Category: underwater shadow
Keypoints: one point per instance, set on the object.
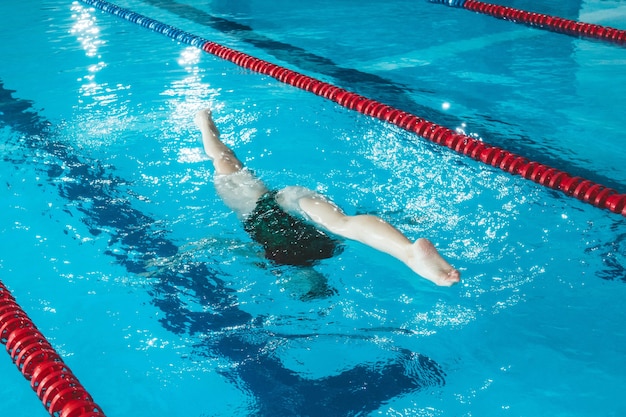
(136, 241)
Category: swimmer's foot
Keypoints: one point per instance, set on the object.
(210, 134)
(425, 261)
(204, 121)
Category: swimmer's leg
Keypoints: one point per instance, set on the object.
(421, 255)
(239, 188)
(224, 159)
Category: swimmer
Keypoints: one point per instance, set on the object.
(295, 225)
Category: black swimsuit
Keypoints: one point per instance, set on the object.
(287, 239)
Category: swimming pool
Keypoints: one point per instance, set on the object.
(117, 246)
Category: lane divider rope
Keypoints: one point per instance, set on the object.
(577, 187)
(541, 21)
(56, 386)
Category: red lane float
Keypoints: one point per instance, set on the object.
(542, 21)
(584, 190)
(54, 383)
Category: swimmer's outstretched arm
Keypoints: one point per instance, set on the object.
(421, 256)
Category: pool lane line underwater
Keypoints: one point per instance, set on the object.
(541, 21)
(584, 190)
(389, 91)
(358, 79)
(56, 386)
(299, 57)
(136, 241)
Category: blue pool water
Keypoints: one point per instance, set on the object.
(117, 246)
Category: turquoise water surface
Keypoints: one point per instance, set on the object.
(117, 246)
